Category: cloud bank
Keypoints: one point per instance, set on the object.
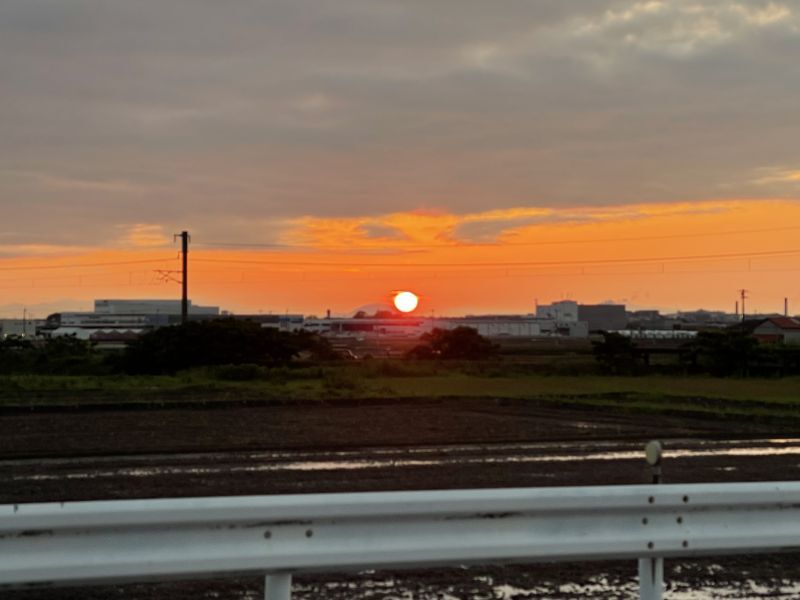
(234, 120)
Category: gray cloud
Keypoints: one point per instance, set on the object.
(488, 231)
(201, 114)
(382, 232)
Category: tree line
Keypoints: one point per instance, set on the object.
(244, 345)
(723, 353)
(166, 350)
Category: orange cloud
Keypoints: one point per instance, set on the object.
(669, 256)
(440, 228)
(145, 235)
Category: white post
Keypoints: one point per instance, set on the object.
(651, 578)
(278, 586)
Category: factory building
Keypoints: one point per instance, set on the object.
(286, 322)
(603, 317)
(115, 322)
(21, 328)
(150, 307)
(491, 326)
(563, 311)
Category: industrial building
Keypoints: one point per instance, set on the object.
(603, 317)
(596, 317)
(150, 307)
(413, 327)
(564, 310)
(115, 322)
(21, 328)
(285, 322)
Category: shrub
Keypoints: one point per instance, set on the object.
(461, 343)
(243, 372)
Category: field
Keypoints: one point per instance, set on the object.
(766, 400)
(393, 425)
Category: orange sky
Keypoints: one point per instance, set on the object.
(365, 147)
(667, 256)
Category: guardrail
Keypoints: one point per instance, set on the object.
(85, 543)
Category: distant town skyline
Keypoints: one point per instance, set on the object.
(326, 155)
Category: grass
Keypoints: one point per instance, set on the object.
(774, 400)
(701, 396)
(538, 386)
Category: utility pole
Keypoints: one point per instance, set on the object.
(743, 296)
(184, 235)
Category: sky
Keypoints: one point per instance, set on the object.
(323, 155)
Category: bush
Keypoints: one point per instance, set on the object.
(393, 368)
(243, 372)
(339, 381)
(461, 343)
(64, 355)
(617, 355)
(217, 342)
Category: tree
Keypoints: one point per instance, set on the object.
(463, 343)
(617, 354)
(217, 342)
(732, 352)
(62, 355)
(16, 355)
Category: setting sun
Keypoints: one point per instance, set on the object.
(406, 301)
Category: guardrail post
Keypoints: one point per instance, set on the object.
(278, 586)
(651, 578)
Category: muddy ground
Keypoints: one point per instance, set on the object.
(62, 454)
(80, 430)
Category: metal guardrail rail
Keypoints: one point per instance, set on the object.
(86, 543)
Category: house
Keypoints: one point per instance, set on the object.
(778, 330)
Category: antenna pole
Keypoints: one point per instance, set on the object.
(743, 296)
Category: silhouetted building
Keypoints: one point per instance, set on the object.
(603, 317)
(150, 307)
(784, 330)
(562, 311)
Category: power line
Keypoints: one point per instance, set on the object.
(73, 285)
(205, 275)
(68, 277)
(86, 265)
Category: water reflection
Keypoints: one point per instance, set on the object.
(397, 459)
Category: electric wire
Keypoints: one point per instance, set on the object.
(87, 265)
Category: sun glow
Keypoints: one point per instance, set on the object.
(405, 301)
(503, 264)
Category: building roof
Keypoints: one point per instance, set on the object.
(784, 322)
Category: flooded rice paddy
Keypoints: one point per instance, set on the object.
(706, 579)
(461, 444)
